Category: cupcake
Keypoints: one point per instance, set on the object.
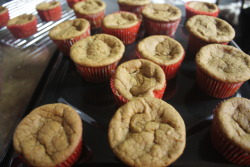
(91, 10)
(164, 51)
(137, 78)
(71, 3)
(221, 69)
(49, 11)
(123, 25)
(207, 30)
(23, 26)
(97, 56)
(230, 130)
(50, 135)
(4, 16)
(201, 8)
(65, 34)
(134, 6)
(147, 132)
(161, 19)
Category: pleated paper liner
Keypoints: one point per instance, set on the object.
(51, 14)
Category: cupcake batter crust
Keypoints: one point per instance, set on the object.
(134, 2)
(147, 132)
(161, 49)
(3, 9)
(48, 135)
(47, 5)
(210, 29)
(224, 63)
(161, 12)
(22, 19)
(97, 50)
(138, 78)
(203, 6)
(89, 6)
(69, 29)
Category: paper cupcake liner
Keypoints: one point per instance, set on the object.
(4, 18)
(153, 27)
(191, 12)
(64, 45)
(214, 87)
(71, 3)
(51, 14)
(24, 30)
(134, 9)
(126, 35)
(97, 74)
(95, 20)
(228, 150)
(169, 70)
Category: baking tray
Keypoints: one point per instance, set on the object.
(196, 108)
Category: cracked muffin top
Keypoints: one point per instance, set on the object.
(47, 5)
(203, 6)
(160, 49)
(89, 6)
(210, 29)
(48, 135)
(147, 132)
(3, 9)
(224, 63)
(232, 117)
(138, 78)
(22, 19)
(161, 12)
(69, 29)
(120, 20)
(134, 2)
(97, 50)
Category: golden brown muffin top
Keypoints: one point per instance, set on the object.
(161, 12)
(48, 135)
(224, 63)
(233, 119)
(138, 78)
(69, 29)
(47, 5)
(22, 19)
(97, 50)
(120, 20)
(203, 6)
(89, 6)
(147, 132)
(134, 2)
(161, 49)
(210, 29)
(3, 9)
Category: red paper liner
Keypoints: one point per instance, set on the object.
(153, 27)
(64, 45)
(97, 74)
(214, 87)
(191, 12)
(4, 18)
(195, 44)
(134, 9)
(120, 100)
(228, 150)
(95, 20)
(51, 14)
(23, 30)
(126, 35)
(71, 3)
(169, 70)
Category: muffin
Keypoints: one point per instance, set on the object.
(4, 16)
(65, 34)
(49, 11)
(50, 135)
(230, 130)
(147, 132)
(134, 6)
(161, 19)
(207, 30)
(91, 10)
(71, 3)
(164, 51)
(97, 56)
(137, 78)
(221, 69)
(201, 8)
(23, 26)
(123, 25)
